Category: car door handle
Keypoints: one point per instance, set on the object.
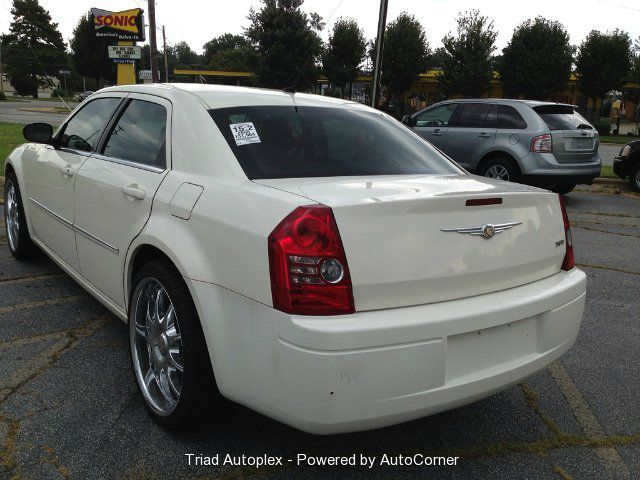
(134, 193)
(437, 133)
(67, 171)
(484, 135)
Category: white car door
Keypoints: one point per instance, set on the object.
(51, 177)
(115, 189)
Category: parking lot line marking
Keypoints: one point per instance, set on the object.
(604, 267)
(604, 214)
(40, 337)
(29, 278)
(606, 231)
(588, 421)
(40, 303)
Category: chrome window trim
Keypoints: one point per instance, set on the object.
(76, 228)
(128, 163)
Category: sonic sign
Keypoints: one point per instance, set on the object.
(124, 25)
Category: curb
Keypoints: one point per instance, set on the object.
(609, 181)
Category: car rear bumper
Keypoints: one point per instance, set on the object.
(543, 169)
(621, 166)
(330, 375)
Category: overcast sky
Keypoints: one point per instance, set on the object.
(197, 21)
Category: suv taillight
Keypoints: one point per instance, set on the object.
(309, 272)
(541, 144)
(568, 263)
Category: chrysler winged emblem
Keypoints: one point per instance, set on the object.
(486, 231)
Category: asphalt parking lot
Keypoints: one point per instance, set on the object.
(69, 408)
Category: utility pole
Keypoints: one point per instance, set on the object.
(382, 21)
(164, 49)
(152, 40)
(1, 77)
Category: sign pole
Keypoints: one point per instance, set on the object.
(126, 71)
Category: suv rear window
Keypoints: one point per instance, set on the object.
(290, 142)
(562, 117)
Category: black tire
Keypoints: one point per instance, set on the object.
(500, 166)
(563, 189)
(20, 245)
(199, 393)
(634, 179)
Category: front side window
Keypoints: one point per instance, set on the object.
(289, 142)
(84, 129)
(472, 115)
(436, 116)
(139, 135)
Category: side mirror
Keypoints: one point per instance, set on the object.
(409, 120)
(38, 132)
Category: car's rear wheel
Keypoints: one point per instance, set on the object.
(15, 221)
(563, 189)
(634, 179)
(500, 169)
(169, 354)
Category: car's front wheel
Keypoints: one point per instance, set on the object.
(634, 179)
(169, 354)
(15, 221)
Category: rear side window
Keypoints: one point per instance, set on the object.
(562, 117)
(290, 142)
(436, 116)
(510, 119)
(85, 128)
(472, 115)
(140, 135)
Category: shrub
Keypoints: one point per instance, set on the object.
(3, 97)
(603, 128)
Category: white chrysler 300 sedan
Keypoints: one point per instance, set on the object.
(310, 258)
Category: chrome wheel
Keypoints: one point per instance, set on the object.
(637, 180)
(156, 346)
(497, 171)
(12, 216)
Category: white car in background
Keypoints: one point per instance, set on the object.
(327, 266)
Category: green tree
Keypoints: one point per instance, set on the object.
(228, 52)
(467, 64)
(603, 63)
(286, 44)
(537, 60)
(184, 55)
(405, 55)
(33, 49)
(344, 53)
(89, 53)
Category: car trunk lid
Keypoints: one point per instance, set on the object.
(399, 254)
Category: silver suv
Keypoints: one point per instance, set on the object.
(539, 143)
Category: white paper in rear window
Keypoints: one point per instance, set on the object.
(244, 133)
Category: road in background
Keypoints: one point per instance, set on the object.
(33, 111)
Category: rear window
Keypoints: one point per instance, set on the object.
(473, 115)
(290, 142)
(562, 117)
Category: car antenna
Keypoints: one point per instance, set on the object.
(291, 89)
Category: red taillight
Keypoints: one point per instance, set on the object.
(568, 263)
(541, 144)
(309, 272)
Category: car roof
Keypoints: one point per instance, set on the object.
(531, 103)
(221, 96)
